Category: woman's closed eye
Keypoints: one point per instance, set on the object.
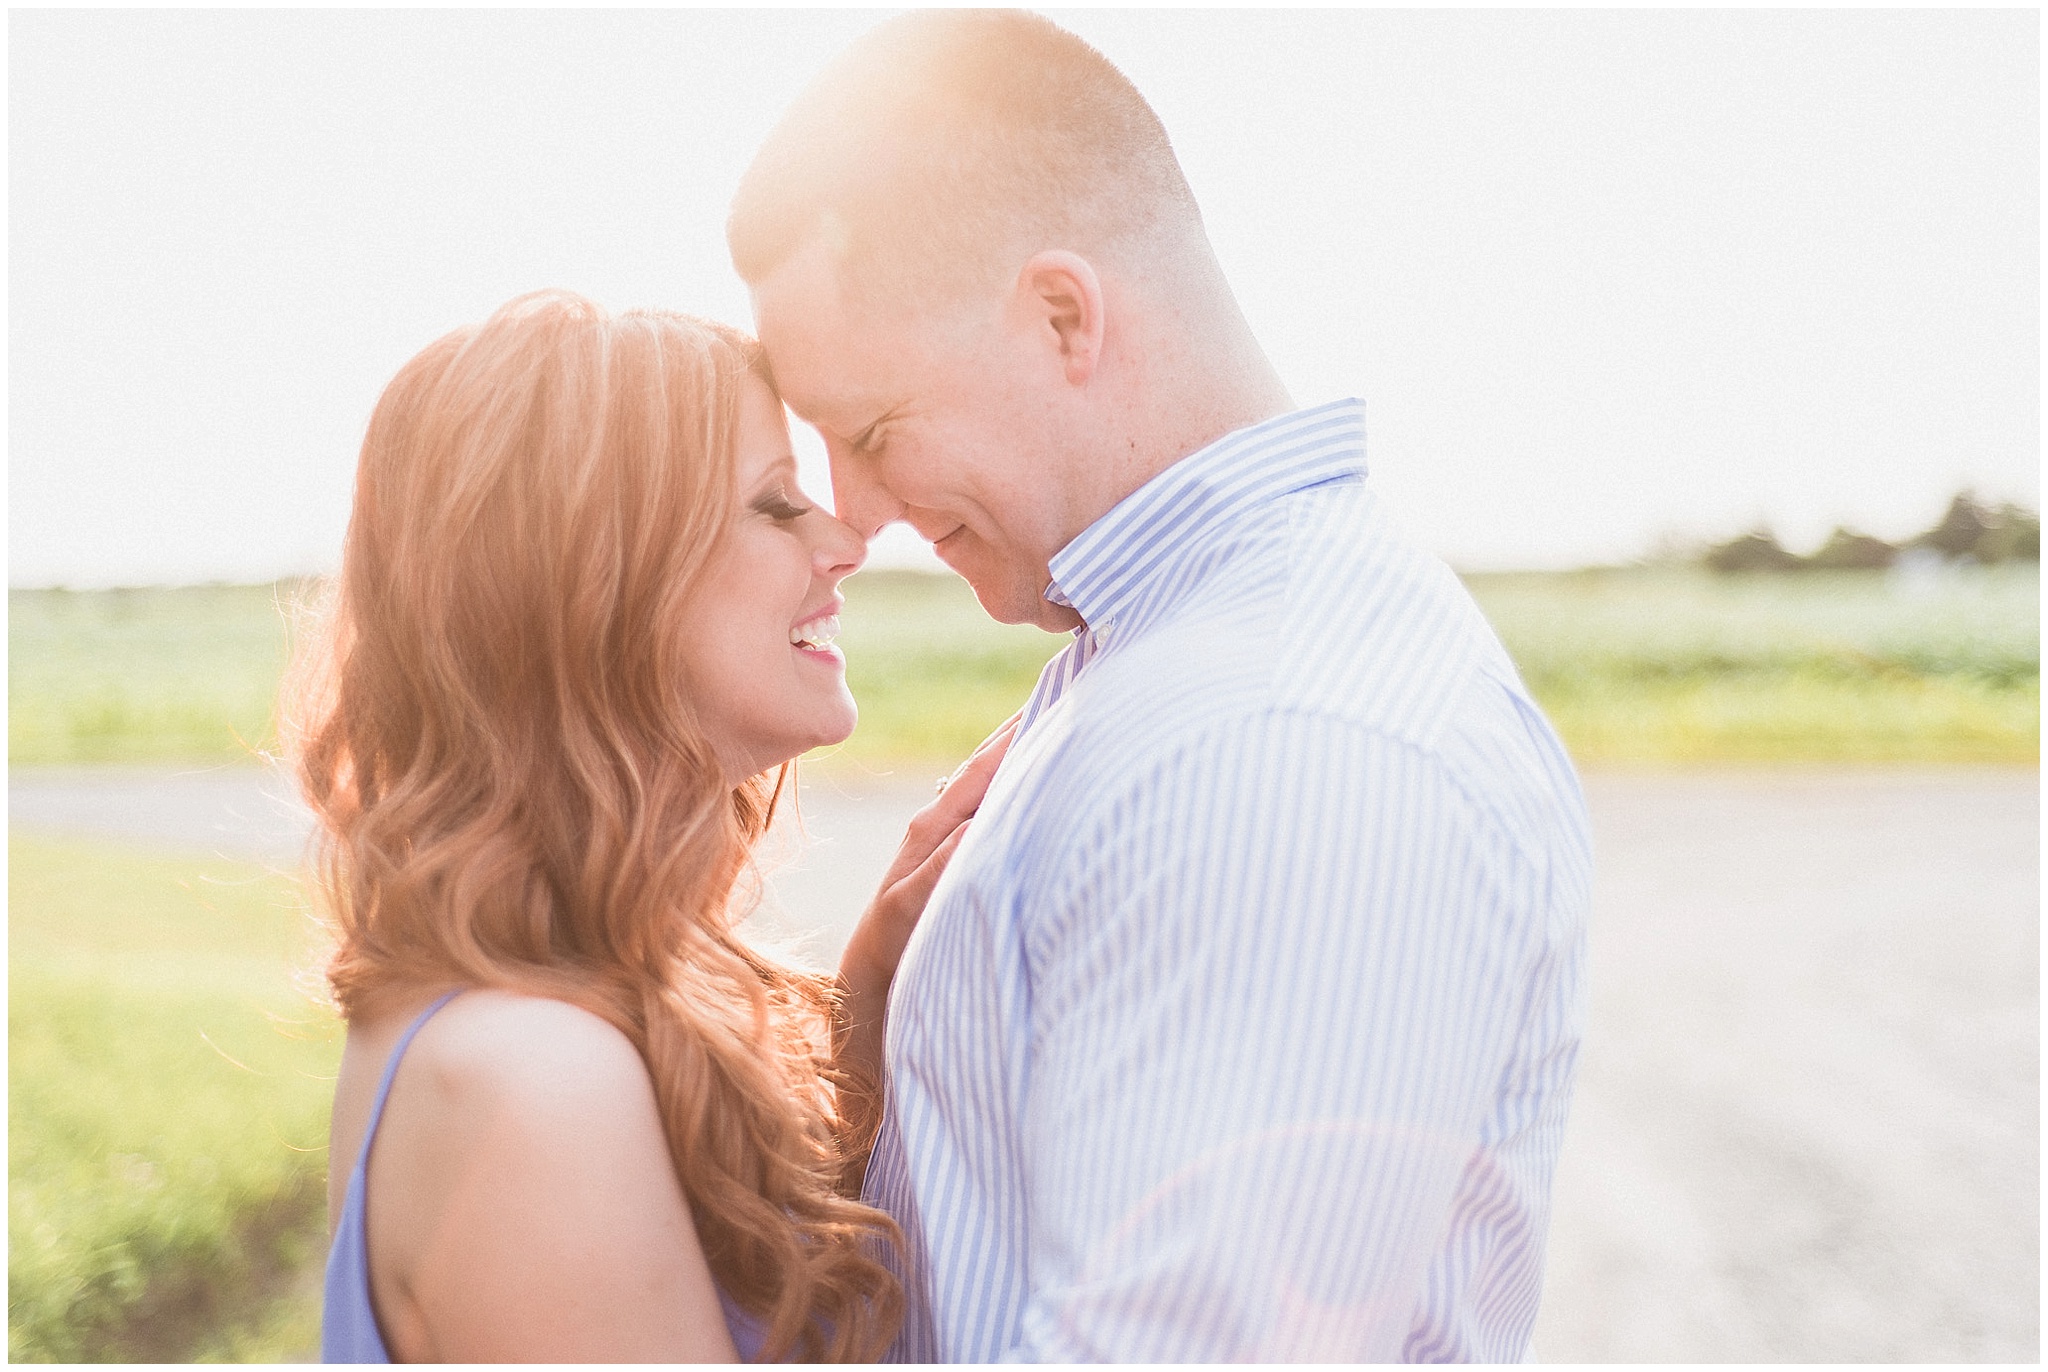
(777, 505)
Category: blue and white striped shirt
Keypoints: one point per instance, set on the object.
(1244, 1022)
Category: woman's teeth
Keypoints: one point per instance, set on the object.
(819, 633)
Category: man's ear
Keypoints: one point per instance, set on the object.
(1060, 298)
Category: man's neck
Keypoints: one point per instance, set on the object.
(1203, 427)
(1186, 371)
(1193, 372)
(1187, 414)
(1175, 431)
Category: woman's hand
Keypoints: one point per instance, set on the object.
(869, 962)
(868, 965)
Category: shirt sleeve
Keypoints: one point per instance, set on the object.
(1272, 997)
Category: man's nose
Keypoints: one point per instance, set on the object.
(858, 495)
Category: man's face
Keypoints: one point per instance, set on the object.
(946, 420)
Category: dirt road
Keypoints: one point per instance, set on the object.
(1807, 1123)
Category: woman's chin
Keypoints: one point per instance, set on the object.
(842, 727)
(835, 728)
(826, 727)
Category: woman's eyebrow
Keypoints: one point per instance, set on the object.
(783, 469)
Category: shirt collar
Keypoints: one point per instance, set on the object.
(1114, 559)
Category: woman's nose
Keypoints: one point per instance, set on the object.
(862, 501)
(840, 551)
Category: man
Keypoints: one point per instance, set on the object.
(1243, 1023)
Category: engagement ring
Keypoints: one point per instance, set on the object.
(940, 789)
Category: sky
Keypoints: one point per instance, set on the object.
(1605, 280)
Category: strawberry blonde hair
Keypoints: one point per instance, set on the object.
(513, 787)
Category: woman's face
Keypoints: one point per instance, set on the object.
(767, 682)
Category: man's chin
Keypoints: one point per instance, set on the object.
(998, 604)
(1010, 603)
(1005, 596)
(995, 597)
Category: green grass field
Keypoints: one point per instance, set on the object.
(169, 1082)
(1682, 667)
(152, 675)
(168, 1089)
(1635, 667)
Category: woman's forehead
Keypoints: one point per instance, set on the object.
(764, 445)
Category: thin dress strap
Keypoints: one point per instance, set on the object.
(390, 1072)
(348, 1321)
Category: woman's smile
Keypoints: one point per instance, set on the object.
(765, 695)
(816, 636)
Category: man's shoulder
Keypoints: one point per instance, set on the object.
(1325, 609)
(1331, 620)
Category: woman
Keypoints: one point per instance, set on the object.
(584, 621)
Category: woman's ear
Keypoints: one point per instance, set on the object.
(1060, 298)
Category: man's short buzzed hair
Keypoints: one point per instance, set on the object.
(945, 147)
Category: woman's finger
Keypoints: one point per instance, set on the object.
(969, 782)
(931, 826)
(886, 927)
(916, 889)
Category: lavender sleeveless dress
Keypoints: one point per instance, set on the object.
(348, 1323)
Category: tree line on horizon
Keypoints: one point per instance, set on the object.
(1968, 531)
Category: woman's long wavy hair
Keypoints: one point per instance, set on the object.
(493, 728)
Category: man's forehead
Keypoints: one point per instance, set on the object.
(810, 276)
(814, 341)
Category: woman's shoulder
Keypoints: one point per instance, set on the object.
(489, 1048)
(522, 1095)
(525, 1153)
